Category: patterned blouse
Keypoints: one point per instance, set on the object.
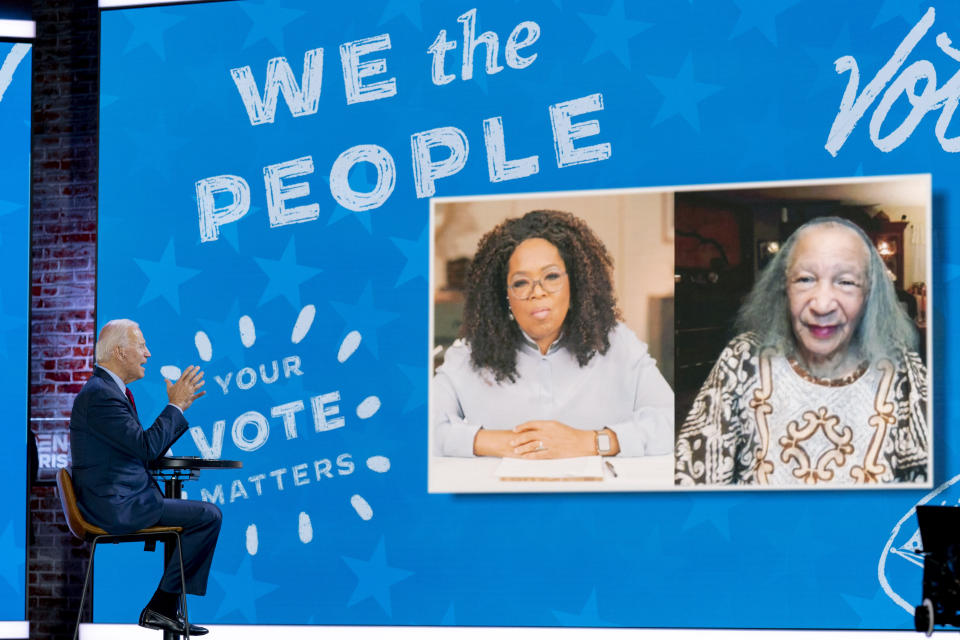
(760, 419)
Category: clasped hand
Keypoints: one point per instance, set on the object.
(542, 439)
(185, 390)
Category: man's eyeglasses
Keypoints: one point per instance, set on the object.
(522, 288)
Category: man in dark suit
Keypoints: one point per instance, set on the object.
(111, 451)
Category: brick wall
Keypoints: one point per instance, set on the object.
(63, 264)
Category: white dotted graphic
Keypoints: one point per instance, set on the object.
(170, 372)
(305, 528)
(362, 507)
(380, 464)
(248, 333)
(348, 346)
(368, 407)
(303, 324)
(204, 348)
(246, 378)
(253, 540)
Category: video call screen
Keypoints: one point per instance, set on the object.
(686, 261)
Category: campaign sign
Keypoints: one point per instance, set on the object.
(266, 171)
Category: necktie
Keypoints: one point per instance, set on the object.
(130, 397)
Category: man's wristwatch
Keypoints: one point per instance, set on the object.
(603, 442)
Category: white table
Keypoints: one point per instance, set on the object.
(477, 475)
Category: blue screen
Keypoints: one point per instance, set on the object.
(266, 172)
(15, 62)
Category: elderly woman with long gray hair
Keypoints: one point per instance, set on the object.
(823, 387)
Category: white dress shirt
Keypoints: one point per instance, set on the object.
(123, 387)
(622, 390)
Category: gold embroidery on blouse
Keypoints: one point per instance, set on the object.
(762, 408)
(872, 469)
(839, 436)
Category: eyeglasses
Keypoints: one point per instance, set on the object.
(522, 288)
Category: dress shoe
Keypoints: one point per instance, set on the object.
(195, 629)
(155, 620)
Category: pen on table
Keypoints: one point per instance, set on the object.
(610, 466)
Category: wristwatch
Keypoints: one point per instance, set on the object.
(603, 443)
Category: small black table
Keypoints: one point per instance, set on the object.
(173, 470)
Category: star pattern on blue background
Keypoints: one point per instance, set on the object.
(760, 15)
(410, 10)
(682, 95)
(149, 28)
(285, 276)
(449, 616)
(144, 161)
(414, 252)
(231, 232)
(164, 277)
(417, 378)
(368, 583)
(11, 562)
(711, 513)
(480, 76)
(823, 58)
(365, 317)
(241, 591)
(780, 140)
(268, 23)
(872, 610)
(589, 616)
(612, 32)
(374, 578)
(910, 10)
(225, 336)
(7, 207)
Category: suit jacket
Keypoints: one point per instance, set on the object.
(110, 452)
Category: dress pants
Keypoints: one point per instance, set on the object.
(201, 527)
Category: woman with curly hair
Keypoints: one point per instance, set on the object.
(544, 368)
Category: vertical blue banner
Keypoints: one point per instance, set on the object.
(265, 175)
(15, 64)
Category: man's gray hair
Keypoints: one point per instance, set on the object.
(885, 329)
(113, 334)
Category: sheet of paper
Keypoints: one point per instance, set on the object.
(586, 468)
